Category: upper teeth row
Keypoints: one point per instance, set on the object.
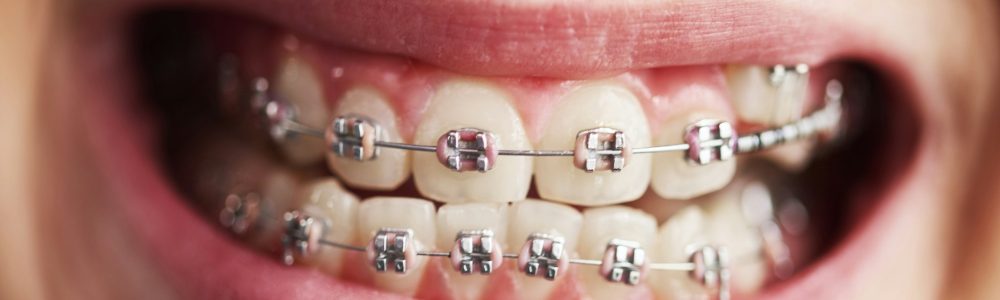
(477, 251)
(596, 149)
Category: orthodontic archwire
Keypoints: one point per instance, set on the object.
(359, 137)
(542, 255)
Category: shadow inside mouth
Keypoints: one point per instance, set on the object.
(178, 67)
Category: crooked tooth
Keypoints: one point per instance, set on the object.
(470, 104)
(677, 239)
(535, 216)
(768, 95)
(298, 84)
(596, 105)
(401, 213)
(455, 218)
(336, 208)
(600, 226)
(391, 167)
(674, 176)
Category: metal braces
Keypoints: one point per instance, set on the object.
(624, 261)
(598, 149)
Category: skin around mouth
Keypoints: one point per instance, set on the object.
(120, 192)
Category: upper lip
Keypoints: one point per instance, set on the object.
(573, 39)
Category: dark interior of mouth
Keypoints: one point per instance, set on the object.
(177, 63)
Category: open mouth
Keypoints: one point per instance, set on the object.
(294, 161)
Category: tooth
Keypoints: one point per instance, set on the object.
(601, 225)
(677, 239)
(729, 227)
(464, 104)
(757, 100)
(402, 213)
(329, 203)
(536, 216)
(674, 177)
(793, 157)
(596, 105)
(391, 167)
(453, 218)
(277, 194)
(299, 85)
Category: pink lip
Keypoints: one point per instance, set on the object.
(489, 39)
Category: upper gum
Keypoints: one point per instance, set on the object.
(409, 85)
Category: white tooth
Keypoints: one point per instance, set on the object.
(336, 208)
(729, 227)
(674, 177)
(536, 216)
(601, 225)
(596, 105)
(298, 84)
(453, 218)
(278, 196)
(757, 100)
(461, 104)
(793, 156)
(678, 237)
(391, 167)
(403, 213)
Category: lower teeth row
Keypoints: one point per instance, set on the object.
(543, 255)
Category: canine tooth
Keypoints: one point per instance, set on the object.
(336, 208)
(536, 216)
(601, 226)
(598, 105)
(404, 213)
(768, 95)
(470, 104)
(674, 176)
(299, 85)
(391, 167)
(455, 218)
(677, 239)
(729, 227)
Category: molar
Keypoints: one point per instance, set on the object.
(535, 216)
(596, 105)
(391, 167)
(674, 177)
(403, 213)
(600, 226)
(327, 202)
(298, 84)
(454, 218)
(470, 104)
(768, 95)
